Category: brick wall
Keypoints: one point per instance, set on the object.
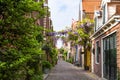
(118, 46)
(97, 67)
(89, 6)
(117, 28)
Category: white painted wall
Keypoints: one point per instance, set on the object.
(111, 10)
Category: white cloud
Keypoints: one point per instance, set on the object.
(62, 12)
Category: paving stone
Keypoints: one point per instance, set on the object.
(66, 71)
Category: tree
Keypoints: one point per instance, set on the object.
(20, 47)
(82, 35)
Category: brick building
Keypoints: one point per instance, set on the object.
(46, 23)
(88, 7)
(106, 40)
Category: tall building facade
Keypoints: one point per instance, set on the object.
(46, 23)
(106, 40)
(87, 7)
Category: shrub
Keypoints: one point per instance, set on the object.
(37, 77)
(70, 60)
(46, 64)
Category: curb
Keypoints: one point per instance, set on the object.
(45, 76)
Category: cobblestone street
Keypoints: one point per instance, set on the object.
(67, 71)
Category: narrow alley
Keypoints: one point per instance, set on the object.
(66, 71)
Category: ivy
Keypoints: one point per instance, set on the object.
(20, 39)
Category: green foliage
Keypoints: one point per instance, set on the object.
(39, 38)
(20, 39)
(118, 76)
(72, 36)
(51, 53)
(37, 77)
(70, 60)
(63, 52)
(54, 54)
(83, 33)
(46, 47)
(46, 64)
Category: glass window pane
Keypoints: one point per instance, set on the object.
(97, 51)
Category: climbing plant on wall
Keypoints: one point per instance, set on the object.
(20, 47)
(81, 35)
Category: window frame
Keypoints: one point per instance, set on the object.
(96, 23)
(97, 52)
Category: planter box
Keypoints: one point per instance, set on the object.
(46, 70)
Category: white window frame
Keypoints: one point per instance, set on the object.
(96, 24)
(96, 52)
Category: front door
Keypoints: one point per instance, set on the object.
(109, 57)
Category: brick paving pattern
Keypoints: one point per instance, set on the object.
(67, 71)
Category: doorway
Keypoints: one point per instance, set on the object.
(109, 57)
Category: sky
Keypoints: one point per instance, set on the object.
(62, 14)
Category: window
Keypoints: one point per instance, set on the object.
(97, 52)
(110, 57)
(95, 24)
(104, 13)
(98, 20)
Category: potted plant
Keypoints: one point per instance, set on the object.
(46, 66)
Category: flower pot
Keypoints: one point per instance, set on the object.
(46, 70)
